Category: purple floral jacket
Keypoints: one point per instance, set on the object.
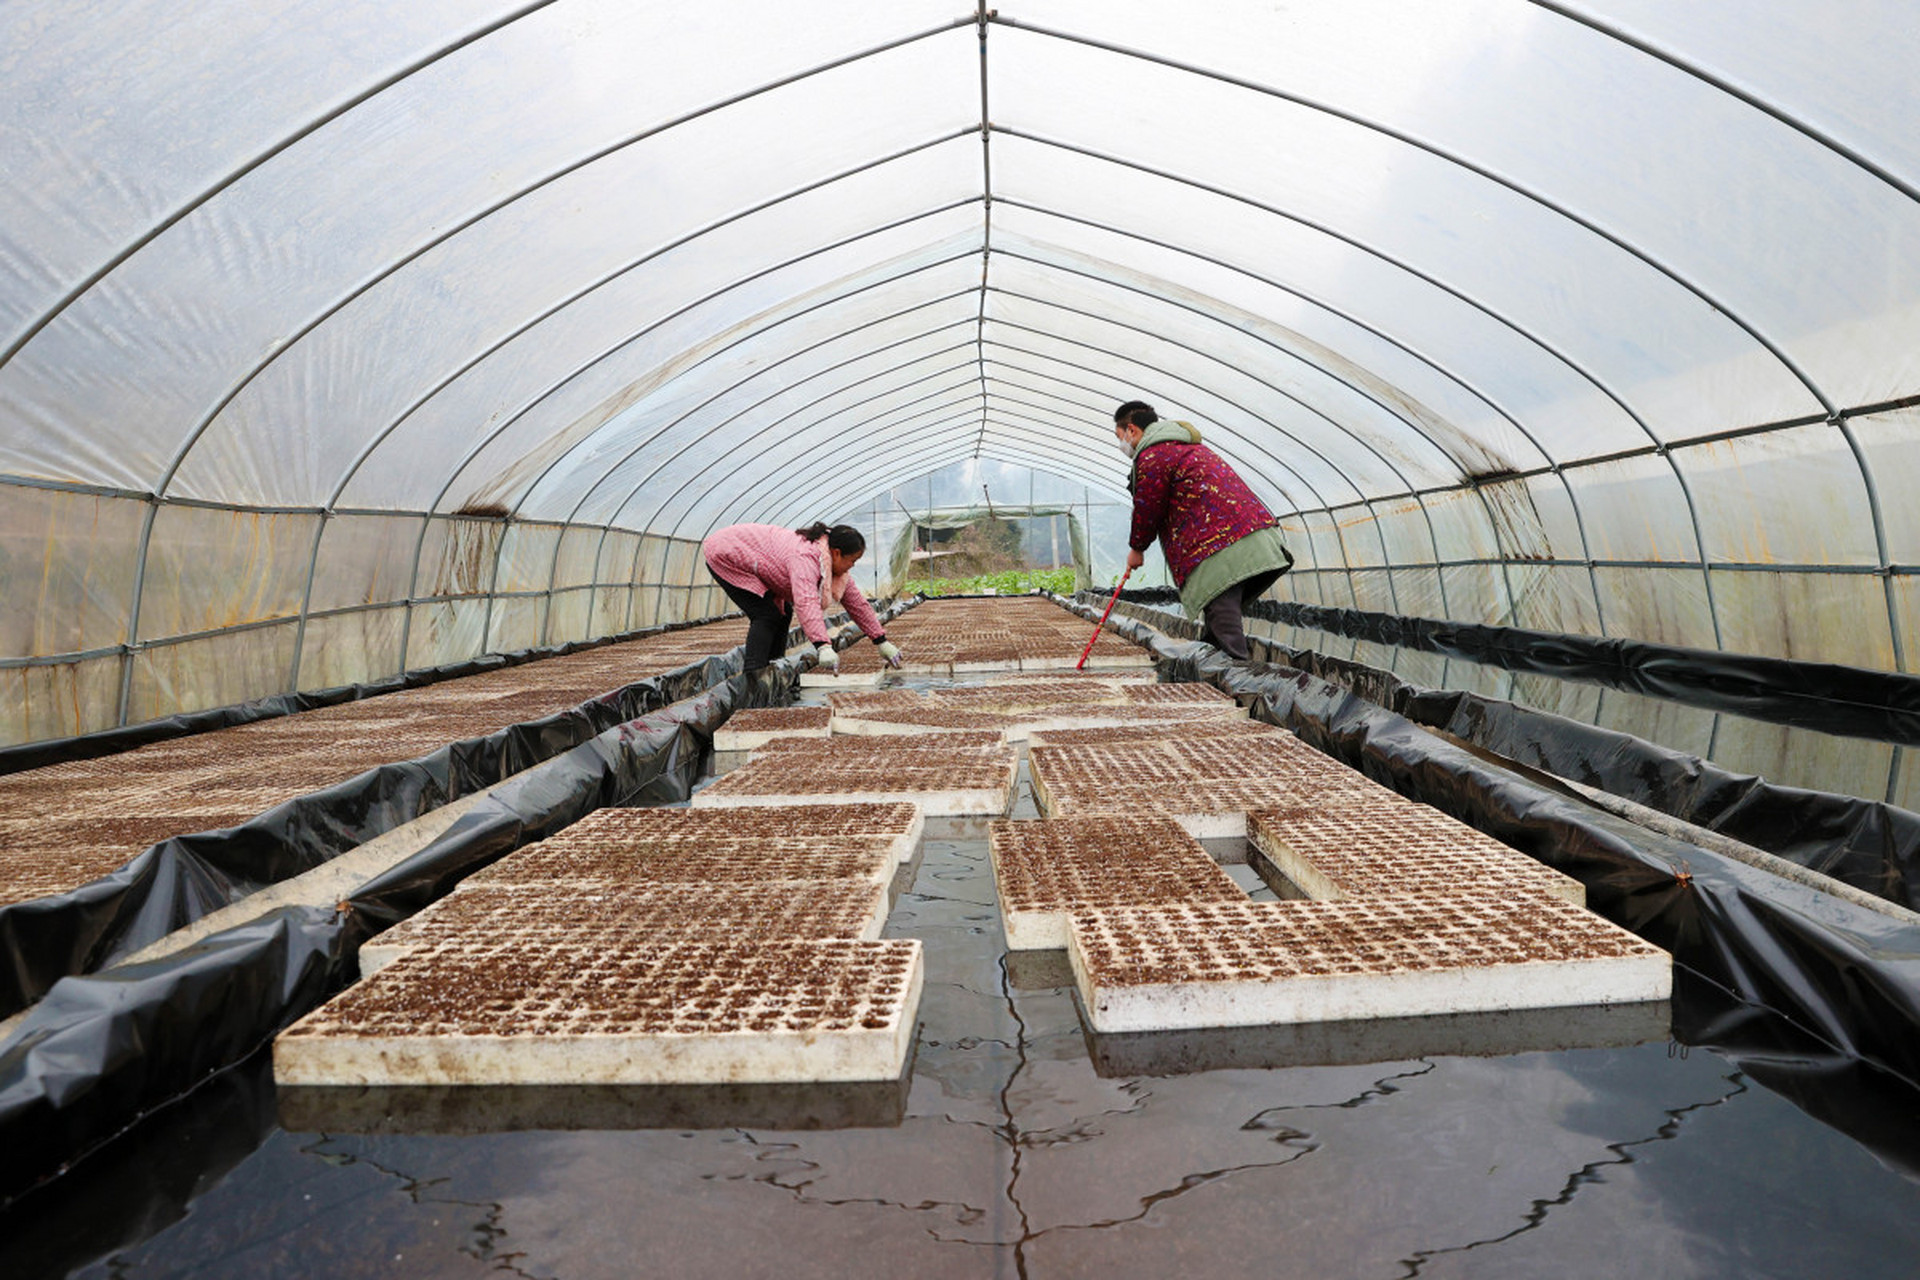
(1187, 496)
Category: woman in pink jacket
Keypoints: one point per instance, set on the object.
(777, 575)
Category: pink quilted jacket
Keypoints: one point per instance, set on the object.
(767, 559)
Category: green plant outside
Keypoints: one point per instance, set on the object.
(1009, 582)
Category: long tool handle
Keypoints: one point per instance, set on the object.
(1082, 664)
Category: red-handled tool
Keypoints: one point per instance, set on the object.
(1082, 664)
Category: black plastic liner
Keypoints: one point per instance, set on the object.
(181, 879)
(158, 1170)
(1853, 702)
(185, 877)
(1843, 974)
(99, 1051)
(1868, 844)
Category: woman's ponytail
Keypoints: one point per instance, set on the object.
(844, 538)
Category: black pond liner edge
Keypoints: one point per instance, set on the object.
(1829, 697)
(1868, 844)
(101, 1051)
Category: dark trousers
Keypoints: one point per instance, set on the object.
(768, 622)
(1226, 611)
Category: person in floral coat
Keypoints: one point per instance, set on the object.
(1220, 541)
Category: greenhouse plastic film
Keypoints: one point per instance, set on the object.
(99, 1051)
(1842, 972)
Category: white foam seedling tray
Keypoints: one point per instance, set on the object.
(896, 825)
(745, 730)
(952, 782)
(814, 678)
(597, 913)
(671, 1013)
(1185, 967)
(1044, 871)
(1373, 847)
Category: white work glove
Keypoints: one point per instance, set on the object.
(829, 658)
(890, 653)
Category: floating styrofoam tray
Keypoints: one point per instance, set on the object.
(745, 730)
(1376, 847)
(597, 913)
(663, 1013)
(947, 782)
(1044, 871)
(1192, 966)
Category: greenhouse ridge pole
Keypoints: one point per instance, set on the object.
(986, 221)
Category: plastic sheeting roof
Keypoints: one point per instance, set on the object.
(1571, 316)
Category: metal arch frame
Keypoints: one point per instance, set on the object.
(557, 384)
(772, 476)
(195, 434)
(712, 355)
(1104, 484)
(964, 453)
(874, 494)
(784, 486)
(1860, 160)
(929, 396)
(1443, 371)
(234, 175)
(379, 438)
(981, 14)
(753, 335)
(673, 533)
(553, 387)
(1334, 469)
(961, 452)
(738, 383)
(914, 435)
(913, 428)
(607, 529)
(1447, 155)
(1278, 485)
(634, 264)
(962, 447)
(1247, 440)
(1134, 361)
(1513, 326)
(1308, 485)
(916, 337)
(1408, 486)
(1094, 413)
(1780, 115)
(1837, 419)
(789, 482)
(1554, 464)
